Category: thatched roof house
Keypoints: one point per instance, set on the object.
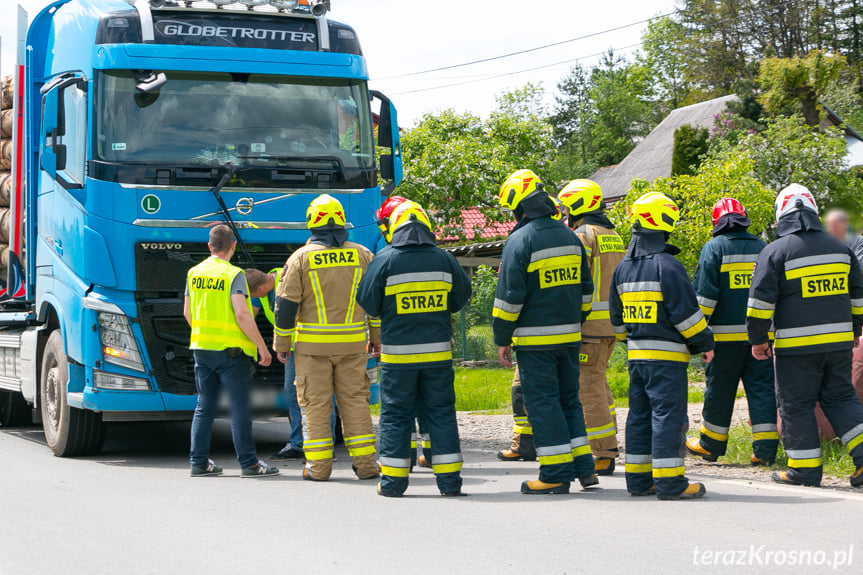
(651, 158)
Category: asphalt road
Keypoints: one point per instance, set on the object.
(133, 509)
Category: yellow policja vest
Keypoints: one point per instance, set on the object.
(214, 325)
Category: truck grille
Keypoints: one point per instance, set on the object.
(161, 272)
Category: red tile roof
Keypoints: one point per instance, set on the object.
(473, 223)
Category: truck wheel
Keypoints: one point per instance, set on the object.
(68, 431)
(14, 411)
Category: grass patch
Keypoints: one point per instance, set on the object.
(483, 389)
(837, 461)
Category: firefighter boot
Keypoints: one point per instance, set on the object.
(604, 465)
(786, 478)
(857, 478)
(423, 462)
(692, 491)
(693, 445)
(588, 481)
(537, 487)
(756, 462)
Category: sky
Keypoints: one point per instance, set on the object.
(400, 37)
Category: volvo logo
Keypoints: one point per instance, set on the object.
(245, 206)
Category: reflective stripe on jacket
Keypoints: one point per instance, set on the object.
(722, 282)
(605, 250)
(544, 289)
(653, 306)
(214, 324)
(414, 289)
(811, 288)
(323, 282)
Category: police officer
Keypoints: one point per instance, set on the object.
(811, 287)
(654, 308)
(262, 288)
(224, 341)
(382, 219)
(318, 295)
(414, 287)
(722, 284)
(582, 201)
(543, 294)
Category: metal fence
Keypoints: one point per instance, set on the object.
(472, 335)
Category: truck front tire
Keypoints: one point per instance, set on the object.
(14, 411)
(68, 431)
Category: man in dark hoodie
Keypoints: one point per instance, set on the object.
(722, 283)
(415, 287)
(317, 299)
(544, 292)
(810, 287)
(654, 309)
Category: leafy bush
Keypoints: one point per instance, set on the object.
(690, 144)
(484, 284)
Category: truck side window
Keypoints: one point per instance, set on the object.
(75, 138)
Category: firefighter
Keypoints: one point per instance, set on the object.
(543, 294)
(582, 201)
(414, 287)
(317, 294)
(722, 284)
(420, 431)
(654, 308)
(811, 287)
(224, 342)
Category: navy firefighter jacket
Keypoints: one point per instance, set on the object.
(414, 287)
(544, 289)
(653, 306)
(722, 282)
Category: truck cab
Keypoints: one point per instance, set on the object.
(146, 123)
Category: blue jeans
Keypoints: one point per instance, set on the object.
(213, 371)
(294, 412)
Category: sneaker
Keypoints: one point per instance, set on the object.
(289, 453)
(209, 469)
(260, 469)
(692, 491)
(857, 478)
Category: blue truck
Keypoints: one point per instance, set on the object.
(141, 124)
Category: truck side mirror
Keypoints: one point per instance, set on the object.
(388, 137)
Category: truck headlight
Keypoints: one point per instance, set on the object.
(118, 344)
(104, 380)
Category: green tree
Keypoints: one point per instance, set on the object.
(524, 103)
(797, 84)
(455, 161)
(689, 145)
(664, 56)
(620, 97)
(695, 196)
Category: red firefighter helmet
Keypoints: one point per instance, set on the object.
(382, 216)
(727, 206)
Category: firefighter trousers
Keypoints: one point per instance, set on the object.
(803, 380)
(522, 432)
(549, 380)
(319, 377)
(656, 427)
(430, 391)
(595, 395)
(732, 363)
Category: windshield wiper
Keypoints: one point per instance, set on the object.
(230, 170)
